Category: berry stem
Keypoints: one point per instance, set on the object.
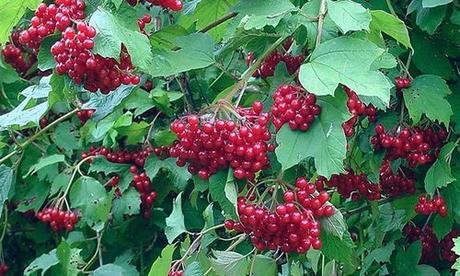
(367, 206)
(38, 134)
(96, 253)
(321, 15)
(218, 22)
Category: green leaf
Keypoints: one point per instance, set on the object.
(406, 261)
(439, 175)
(426, 95)
(348, 15)
(45, 162)
(36, 194)
(66, 137)
(193, 51)
(43, 263)
(324, 141)
(231, 189)
(105, 104)
(435, 3)
(175, 222)
(442, 226)
(383, 22)
(194, 269)
(378, 255)
(101, 164)
(180, 175)
(428, 19)
(261, 13)
(139, 101)
(113, 30)
(337, 248)
(109, 270)
(6, 179)
(166, 36)
(347, 61)
(335, 224)
(90, 197)
(456, 249)
(229, 263)
(63, 252)
(59, 182)
(128, 204)
(206, 12)
(21, 115)
(217, 183)
(264, 266)
(11, 12)
(163, 263)
(45, 59)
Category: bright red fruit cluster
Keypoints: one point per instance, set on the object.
(50, 18)
(175, 5)
(293, 105)
(74, 58)
(208, 145)
(357, 108)
(354, 186)
(141, 182)
(267, 68)
(293, 226)
(17, 56)
(176, 273)
(144, 20)
(416, 145)
(396, 184)
(429, 241)
(84, 115)
(58, 219)
(402, 83)
(447, 244)
(4, 269)
(427, 206)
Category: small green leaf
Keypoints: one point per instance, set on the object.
(43, 263)
(175, 222)
(194, 269)
(128, 204)
(45, 59)
(21, 115)
(348, 15)
(442, 226)
(109, 270)
(440, 175)
(261, 13)
(264, 266)
(428, 19)
(162, 263)
(231, 189)
(383, 22)
(337, 248)
(45, 162)
(229, 263)
(36, 194)
(406, 261)
(217, 190)
(105, 104)
(66, 137)
(435, 3)
(426, 95)
(335, 224)
(379, 255)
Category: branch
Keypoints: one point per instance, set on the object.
(321, 15)
(218, 22)
(38, 134)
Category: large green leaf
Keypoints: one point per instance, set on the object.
(175, 222)
(348, 15)
(426, 95)
(347, 61)
(337, 248)
(383, 22)
(45, 162)
(435, 3)
(43, 263)
(324, 141)
(264, 266)
(90, 197)
(113, 30)
(335, 225)
(263, 12)
(229, 263)
(428, 19)
(439, 175)
(6, 179)
(162, 263)
(11, 12)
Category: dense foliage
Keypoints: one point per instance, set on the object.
(229, 137)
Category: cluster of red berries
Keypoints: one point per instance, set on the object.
(416, 145)
(50, 18)
(293, 226)
(293, 105)
(357, 108)
(447, 244)
(402, 83)
(429, 241)
(123, 157)
(427, 206)
(176, 273)
(74, 58)
(174, 5)
(267, 68)
(142, 184)
(396, 184)
(58, 219)
(209, 144)
(144, 20)
(354, 186)
(17, 56)
(4, 269)
(84, 115)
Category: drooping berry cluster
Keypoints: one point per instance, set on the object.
(267, 68)
(137, 157)
(144, 20)
(176, 273)
(293, 226)
(416, 145)
(50, 18)
(142, 184)
(402, 83)
(16, 55)
(74, 58)
(58, 219)
(4, 269)
(208, 144)
(354, 186)
(396, 184)
(427, 206)
(294, 106)
(429, 241)
(84, 115)
(357, 108)
(447, 244)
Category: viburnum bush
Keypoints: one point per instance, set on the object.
(237, 137)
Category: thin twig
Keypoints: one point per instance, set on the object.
(321, 15)
(218, 22)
